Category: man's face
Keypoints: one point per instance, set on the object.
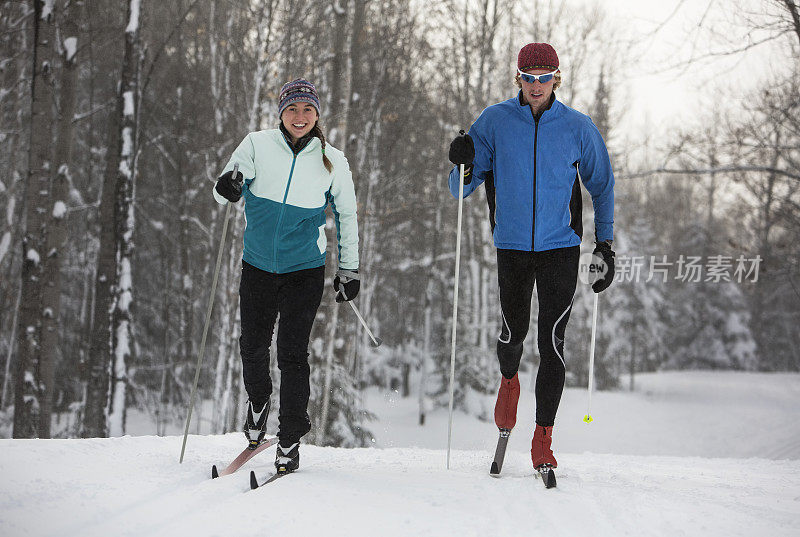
(536, 93)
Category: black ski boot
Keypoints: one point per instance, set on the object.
(255, 424)
(287, 459)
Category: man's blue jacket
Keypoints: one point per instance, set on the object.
(531, 169)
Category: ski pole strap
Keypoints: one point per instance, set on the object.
(347, 275)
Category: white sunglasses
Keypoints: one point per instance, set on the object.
(530, 79)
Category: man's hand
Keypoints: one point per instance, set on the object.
(603, 250)
(462, 150)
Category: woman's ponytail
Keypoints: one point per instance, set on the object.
(317, 131)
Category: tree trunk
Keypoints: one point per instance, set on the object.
(357, 86)
(330, 356)
(10, 353)
(57, 228)
(31, 401)
(794, 12)
(227, 352)
(111, 327)
(13, 112)
(338, 71)
(424, 403)
(632, 364)
(121, 319)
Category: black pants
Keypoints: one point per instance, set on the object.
(296, 297)
(555, 273)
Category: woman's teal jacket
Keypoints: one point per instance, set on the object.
(285, 200)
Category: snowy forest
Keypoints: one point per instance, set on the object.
(116, 118)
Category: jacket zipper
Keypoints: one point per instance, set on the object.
(535, 139)
(280, 216)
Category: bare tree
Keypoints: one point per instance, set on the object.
(14, 108)
(793, 10)
(33, 378)
(111, 336)
(57, 227)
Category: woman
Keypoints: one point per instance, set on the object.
(288, 176)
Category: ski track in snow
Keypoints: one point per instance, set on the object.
(135, 486)
(649, 465)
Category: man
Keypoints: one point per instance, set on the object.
(530, 151)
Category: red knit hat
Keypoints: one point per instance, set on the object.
(537, 56)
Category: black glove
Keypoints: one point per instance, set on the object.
(230, 187)
(462, 150)
(346, 283)
(604, 251)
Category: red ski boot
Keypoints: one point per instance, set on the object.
(541, 453)
(505, 410)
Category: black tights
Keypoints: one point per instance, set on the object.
(555, 273)
(296, 297)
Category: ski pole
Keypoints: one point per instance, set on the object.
(455, 310)
(376, 341)
(588, 417)
(208, 319)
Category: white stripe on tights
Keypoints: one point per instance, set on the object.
(553, 337)
(505, 323)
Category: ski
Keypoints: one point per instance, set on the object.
(548, 475)
(500, 453)
(243, 457)
(254, 484)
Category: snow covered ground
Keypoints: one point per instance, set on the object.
(685, 413)
(676, 457)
